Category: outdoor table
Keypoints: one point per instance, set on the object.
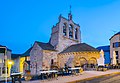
(74, 70)
(49, 73)
(16, 77)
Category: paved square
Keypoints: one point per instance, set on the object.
(69, 79)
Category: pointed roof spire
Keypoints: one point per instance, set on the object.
(70, 9)
(60, 17)
(70, 15)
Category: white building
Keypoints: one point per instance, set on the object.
(115, 46)
(2, 59)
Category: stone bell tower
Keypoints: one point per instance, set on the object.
(65, 33)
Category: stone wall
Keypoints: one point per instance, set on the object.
(9, 55)
(41, 59)
(69, 22)
(65, 42)
(36, 58)
(78, 56)
(58, 40)
(16, 66)
(47, 57)
(54, 36)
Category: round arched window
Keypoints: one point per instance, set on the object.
(70, 31)
(76, 32)
(64, 29)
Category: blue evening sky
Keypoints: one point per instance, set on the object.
(24, 21)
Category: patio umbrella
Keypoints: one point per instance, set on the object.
(114, 58)
(101, 60)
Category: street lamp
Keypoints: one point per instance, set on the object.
(9, 65)
(10, 62)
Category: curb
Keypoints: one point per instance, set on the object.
(3, 80)
(90, 78)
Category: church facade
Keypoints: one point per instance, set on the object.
(63, 48)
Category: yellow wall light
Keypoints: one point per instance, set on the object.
(10, 62)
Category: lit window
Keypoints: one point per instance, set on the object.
(52, 61)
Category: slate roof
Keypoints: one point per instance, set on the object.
(104, 48)
(6, 47)
(46, 46)
(27, 53)
(14, 56)
(114, 35)
(79, 48)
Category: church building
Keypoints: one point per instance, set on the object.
(64, 48)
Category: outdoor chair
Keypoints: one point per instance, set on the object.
(102, 68)
(81, 70)
(16, 77)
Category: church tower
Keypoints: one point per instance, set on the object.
(65, 33)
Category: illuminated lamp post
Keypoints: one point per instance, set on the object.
(10, 63)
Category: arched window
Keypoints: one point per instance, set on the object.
(52, 61)
(64, 29)
(76, 32)
(70, 31)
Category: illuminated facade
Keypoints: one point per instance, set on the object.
(64, 47)
(21, 62)
(2, 61)
(115, 47)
